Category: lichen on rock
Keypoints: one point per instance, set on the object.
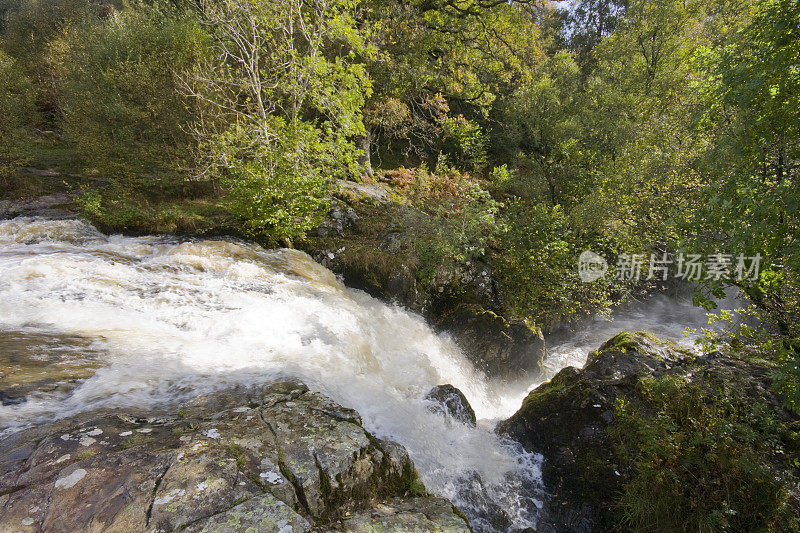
(273, 458)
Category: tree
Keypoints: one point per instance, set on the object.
(281, 101)
(30, 26)
(119, 95)
(752, 170)
(540, 132)
(587, 22)
(17, 113)
(440, 61)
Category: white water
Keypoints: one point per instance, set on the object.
(173, 319)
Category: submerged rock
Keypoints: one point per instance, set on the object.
(448, 400)
(43, 364)
(276, 458)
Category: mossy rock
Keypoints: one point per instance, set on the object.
(566, 420)
(576, 422)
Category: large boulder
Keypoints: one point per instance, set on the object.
(276, 458)
(590, 460)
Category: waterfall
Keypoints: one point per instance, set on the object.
(165, 319)
(158, 320)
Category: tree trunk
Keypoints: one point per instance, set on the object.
(364, 143)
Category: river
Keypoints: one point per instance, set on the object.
(152, 321)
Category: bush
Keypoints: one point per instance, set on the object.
(703, 457)
(120, 97)
(464, 143)
(278, 191)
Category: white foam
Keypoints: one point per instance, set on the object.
(178, 319)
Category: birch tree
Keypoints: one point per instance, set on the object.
(281, 99)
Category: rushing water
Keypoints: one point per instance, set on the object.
(165, 319)
(159, 320)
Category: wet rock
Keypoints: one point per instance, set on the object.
(377, 254)
(51, 205)
(500, 348)
(41, 363)
(448, 400)
(566, 419)
(259, 459)
(486, 514)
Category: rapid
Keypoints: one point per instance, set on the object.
(160, 320)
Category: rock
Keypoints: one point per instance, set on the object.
(500, 348)
(42, 363)
(405, 516)
(262, 513)
(257, 459)
(51, 205)
(375, 252)
(339, 219)
(567, 420)
(450, 401)
(42, 171)
(374, 192)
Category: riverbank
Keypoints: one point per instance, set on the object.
(360, 240)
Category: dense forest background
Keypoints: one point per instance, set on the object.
(513, 133)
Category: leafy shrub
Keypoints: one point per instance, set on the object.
(537, 267)
(454, 220)
(464, 143)
(120, 97)
(278, 191)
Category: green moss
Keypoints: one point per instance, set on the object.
(136, 439)
(86, 455)
(239, 454)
